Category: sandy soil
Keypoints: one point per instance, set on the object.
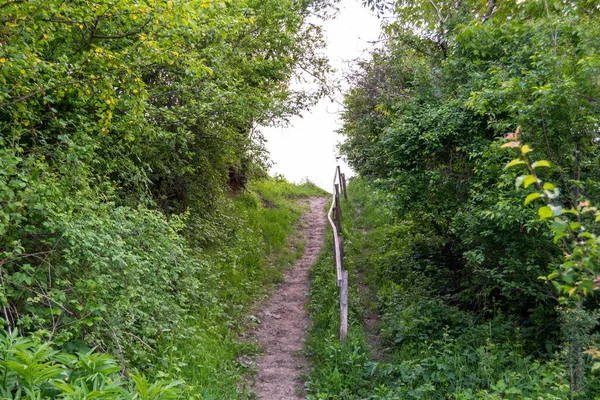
(285, 318)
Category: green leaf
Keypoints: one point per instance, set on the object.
(500, 385)
(19, 277)
(525, 149)
(541, 163)
(574, 225)
(514, 162)
(548, 186)
(529, 179)
(559, 226)
(545, 212)
(559, 236)
(531, 197)
(587, 286)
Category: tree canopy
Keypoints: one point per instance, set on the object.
(124, 128)
(425, 120)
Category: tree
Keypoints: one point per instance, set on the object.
(423, 121)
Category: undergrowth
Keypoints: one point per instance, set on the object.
(431, 348)
(160, 303)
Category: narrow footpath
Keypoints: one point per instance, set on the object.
(285, 318)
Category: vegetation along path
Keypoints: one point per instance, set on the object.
(285, 319)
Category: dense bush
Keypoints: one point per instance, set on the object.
(479, 295)
(429, 348)
(135, 216)
(127, 281)
(425, 118)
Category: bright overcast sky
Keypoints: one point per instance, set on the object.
(307, 148)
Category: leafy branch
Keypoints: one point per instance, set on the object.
(580, 273)
(44, 90)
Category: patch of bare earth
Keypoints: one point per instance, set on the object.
(285, 319)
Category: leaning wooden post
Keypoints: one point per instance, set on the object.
(334, 242)
(332, 216)
(344, 307)
(343, 182)
(338, 208)
(341, 250)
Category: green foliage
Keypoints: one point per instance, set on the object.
(133, 217)
(127, 280)
(431, 350)
(31, 369)
(423, 121)
(160, 97)
(459, 252)
(579, 273)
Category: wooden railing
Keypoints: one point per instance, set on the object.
(335, 219)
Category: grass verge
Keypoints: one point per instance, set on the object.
(263, 241)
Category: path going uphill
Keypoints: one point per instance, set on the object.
(285, 318)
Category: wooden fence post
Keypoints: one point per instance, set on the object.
(338, 208)
(341, 250)
(343, 183)
(334, 242)
(335, 219)
(344, 307)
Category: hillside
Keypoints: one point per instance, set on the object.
(141, 236)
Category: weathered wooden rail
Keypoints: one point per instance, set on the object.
(335, 219)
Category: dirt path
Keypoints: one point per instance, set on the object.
(285, 319)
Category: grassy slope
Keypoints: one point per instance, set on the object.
(225, 263)
(262, 243)
(432, 350)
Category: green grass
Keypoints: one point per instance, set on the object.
(262, 241)
(338, 370)
(177, 294)
(431, 349)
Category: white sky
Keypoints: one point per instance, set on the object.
(307, 148)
